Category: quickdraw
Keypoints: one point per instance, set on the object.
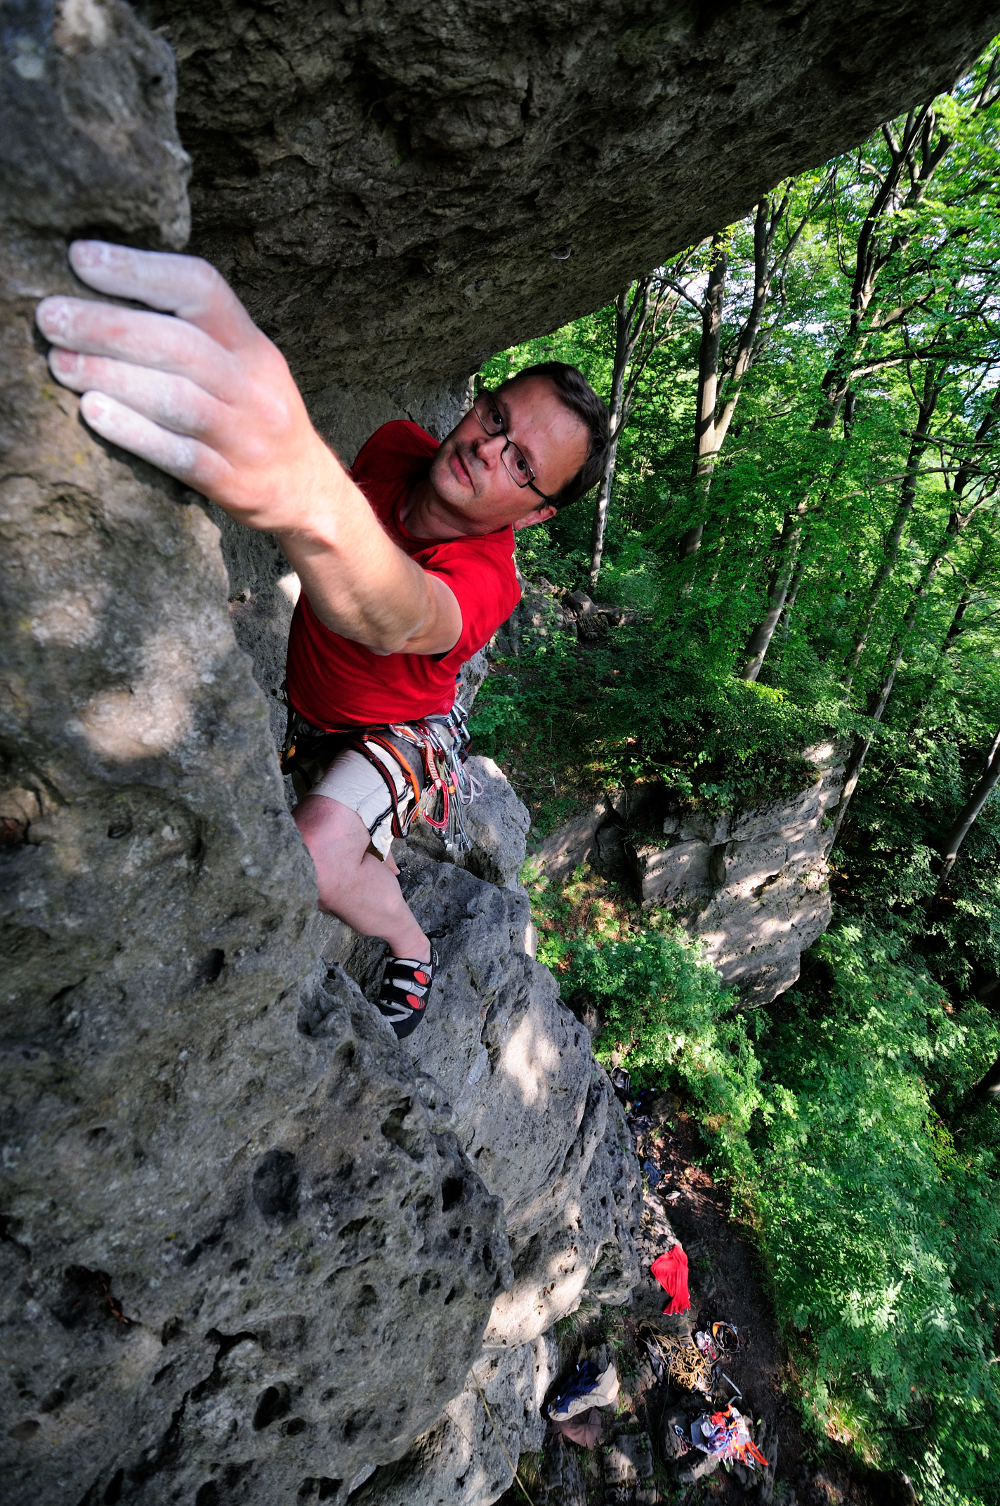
(430, 754)
(448, 787)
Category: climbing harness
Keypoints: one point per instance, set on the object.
(442, 743)
(430, 755)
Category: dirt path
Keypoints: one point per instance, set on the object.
(724, 1278)
(726, 1282)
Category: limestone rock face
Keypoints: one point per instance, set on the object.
(250, 1245)
(465, 1459)
(497, 823)
(218, 1228)
(535, 1114)
(87, 124)
(398, 189)
(753, 885)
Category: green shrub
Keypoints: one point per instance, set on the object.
(834, 1120)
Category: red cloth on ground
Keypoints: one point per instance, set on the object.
(671, 1271)
(334, 682)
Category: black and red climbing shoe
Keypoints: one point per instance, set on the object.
(406, 984)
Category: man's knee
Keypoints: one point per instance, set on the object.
(335, 837)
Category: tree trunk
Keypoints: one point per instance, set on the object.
(626, 315)
(641, 324)
(969, 814)
(951, 637)
(777, 592)
(879, 699)
(870, 259)
(705, 449)
(907, 499)
(601, 516)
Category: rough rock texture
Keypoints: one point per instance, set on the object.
(246, 1251)
(752, 885)
(209, 1217)
(462, 1461)
(399, 189)
(496, 823)
(535, 1114)
(508, 1066)
(572, 844)
(87, 123)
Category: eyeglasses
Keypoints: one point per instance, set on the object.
(520, 472)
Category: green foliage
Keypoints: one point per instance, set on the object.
(667, 1016)
(881, 1232)
(839, 1116)
(878, 1222)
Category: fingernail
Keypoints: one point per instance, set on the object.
(87, 253)
(52, 317)
(92, 406)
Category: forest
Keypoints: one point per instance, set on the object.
(800, 523)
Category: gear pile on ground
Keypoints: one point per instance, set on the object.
(697, 1392)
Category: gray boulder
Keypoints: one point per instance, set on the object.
(497, 823)
(307, 1303)
(571, 845)
(752, 885)
(537, 1116)
(466, 1458)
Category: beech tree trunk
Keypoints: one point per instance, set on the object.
(907, 499)
(601, 515)
(778, 588)
(623, 352)
(915, 157)
(879, 699)
(969, 814)
(705, 446)
(642, 322)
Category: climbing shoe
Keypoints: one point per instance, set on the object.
(406, 984)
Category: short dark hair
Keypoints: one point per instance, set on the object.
(577, 394)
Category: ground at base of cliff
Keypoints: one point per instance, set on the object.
(726, 1284)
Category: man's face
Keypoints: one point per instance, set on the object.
(474, 489)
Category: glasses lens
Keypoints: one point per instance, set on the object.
(517, 467)
(488, 413)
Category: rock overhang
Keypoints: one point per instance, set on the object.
(399, 190)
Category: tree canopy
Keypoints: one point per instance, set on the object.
(802, 526)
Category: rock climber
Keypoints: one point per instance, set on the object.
(405, 560)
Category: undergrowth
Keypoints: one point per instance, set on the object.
(836, 1118)
(568, 719)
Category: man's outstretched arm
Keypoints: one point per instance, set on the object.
(197, 389)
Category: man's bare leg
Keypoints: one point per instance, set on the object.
(353, 884)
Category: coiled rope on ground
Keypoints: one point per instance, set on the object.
(685, 1364)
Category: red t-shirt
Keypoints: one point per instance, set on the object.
(333, 681)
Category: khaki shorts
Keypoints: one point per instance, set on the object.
(353, 781)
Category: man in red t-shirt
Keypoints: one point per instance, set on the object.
(406, 562)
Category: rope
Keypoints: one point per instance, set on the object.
(496, 1431)
(685, 1363)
